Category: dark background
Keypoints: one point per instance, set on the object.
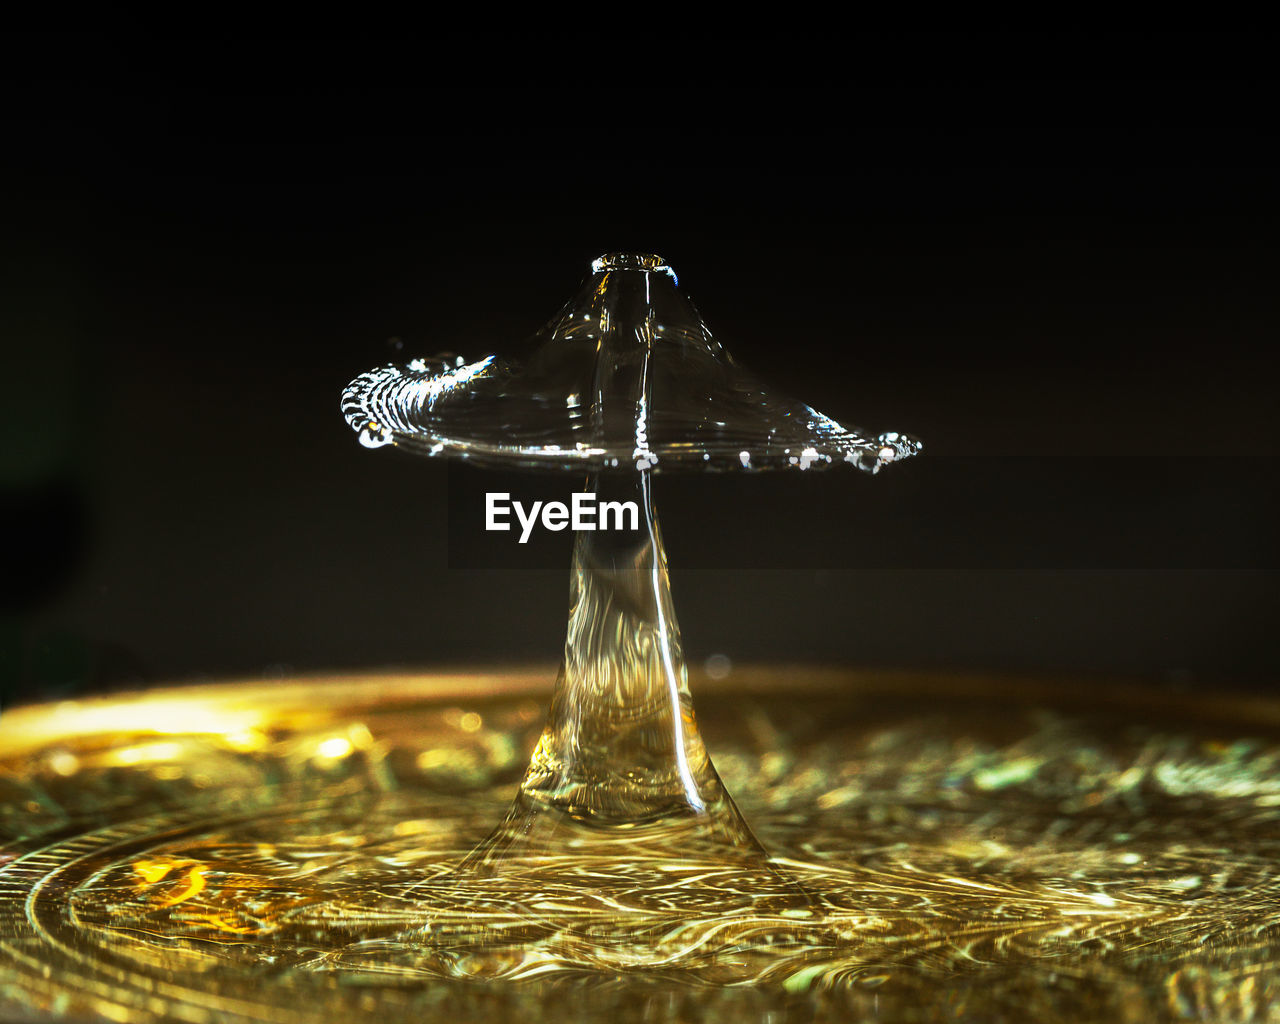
(1052, 257)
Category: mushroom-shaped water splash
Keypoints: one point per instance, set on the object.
(625, 382)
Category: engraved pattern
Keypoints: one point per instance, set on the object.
(286, 853)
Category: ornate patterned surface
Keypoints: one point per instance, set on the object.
(968, 850)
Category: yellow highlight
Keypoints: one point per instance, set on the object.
(434, 758)
(195, 883)
(64, 763)
(144, 753)
(334, 747)
(223, 923)
(245, 740)
(152, 871)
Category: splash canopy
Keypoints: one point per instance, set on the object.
(626, 376)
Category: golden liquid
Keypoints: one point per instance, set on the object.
(621, 764)
(939, 849)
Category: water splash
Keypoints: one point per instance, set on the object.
(626, 376)
(621, 758)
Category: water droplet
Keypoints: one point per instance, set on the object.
(718, 666)
(374, 435)
(621, 748)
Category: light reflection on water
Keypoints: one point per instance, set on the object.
(966, 855)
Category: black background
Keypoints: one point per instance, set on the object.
(1052, 257)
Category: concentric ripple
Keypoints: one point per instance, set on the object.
(971, 852)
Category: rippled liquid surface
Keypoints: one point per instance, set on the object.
(970, 850)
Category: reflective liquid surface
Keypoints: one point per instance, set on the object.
(937, 849)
